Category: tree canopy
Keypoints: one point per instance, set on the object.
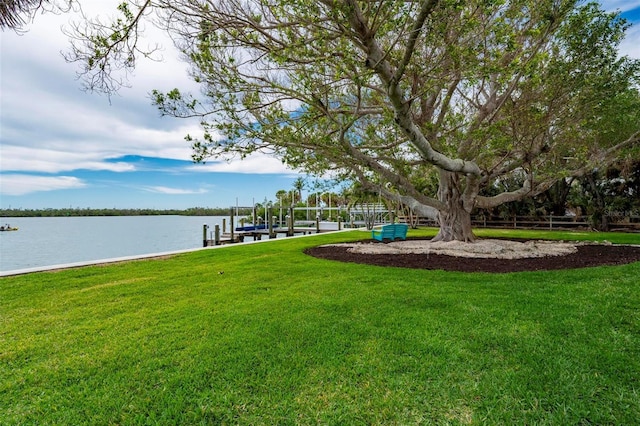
(430, 103)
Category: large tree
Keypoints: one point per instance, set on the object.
(394, 94)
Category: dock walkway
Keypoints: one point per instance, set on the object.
(238, 236)
(258, 234)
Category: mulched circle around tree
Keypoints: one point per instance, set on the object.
(586, 256)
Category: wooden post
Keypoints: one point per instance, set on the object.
(270, 218)
(224, 225)
(291, 221)
(216, 240)
(339, 223)
(317, 224)
(232, 227)
(204, 235)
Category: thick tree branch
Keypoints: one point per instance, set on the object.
(414, 34)
(376, 61)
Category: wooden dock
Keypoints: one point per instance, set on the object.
(258, 234)
(267, 227)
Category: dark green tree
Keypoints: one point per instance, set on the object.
(606, 196)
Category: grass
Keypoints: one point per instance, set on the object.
(263, 334)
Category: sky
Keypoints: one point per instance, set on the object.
(61, 147)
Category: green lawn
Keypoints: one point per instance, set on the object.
(263, 334)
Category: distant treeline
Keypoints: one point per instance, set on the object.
(194, 211)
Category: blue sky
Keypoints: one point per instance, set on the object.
(61, 147)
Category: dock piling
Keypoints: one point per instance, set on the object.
(232, 225)
(204, 235)
(269, 216)
(292, 220)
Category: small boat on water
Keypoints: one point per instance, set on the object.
(8, 228)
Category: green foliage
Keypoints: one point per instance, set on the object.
(540, 65)
(609, 195)
(602, 197)
(263, 334)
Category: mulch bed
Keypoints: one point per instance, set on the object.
(586, 256)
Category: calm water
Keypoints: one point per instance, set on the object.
(57, 240)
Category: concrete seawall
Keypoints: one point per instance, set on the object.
(136, 257)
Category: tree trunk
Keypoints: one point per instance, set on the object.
(557, 196)
(455, 221)
(598, 206)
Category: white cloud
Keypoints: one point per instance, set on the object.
(17, 184)
(20, 159)
(631, 44)
(43, 107)
(174, 191)
(622, 5)
(157, 143)
(253, 164)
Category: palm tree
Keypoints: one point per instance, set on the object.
(298, 185)
(14, 12)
